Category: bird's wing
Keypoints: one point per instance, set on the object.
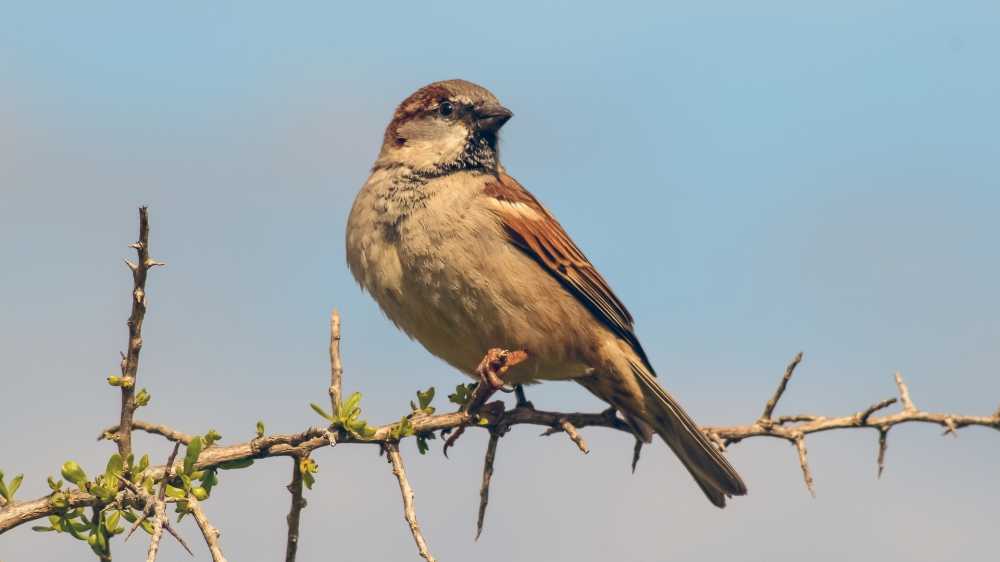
(537, 233)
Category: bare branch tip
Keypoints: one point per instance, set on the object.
(574, 435)
(765, 417)
(800, 447)
(392, 451)
(883, 443)
(484, 489)
(863, 418)
(904, 393)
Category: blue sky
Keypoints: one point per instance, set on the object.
(753, 180)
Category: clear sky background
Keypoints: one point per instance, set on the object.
(754, 179)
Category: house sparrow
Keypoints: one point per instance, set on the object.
(463, 259)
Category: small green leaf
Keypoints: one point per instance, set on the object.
(425, 397)
(71, 471)
(199, 493)
(59, 500)
(350, 408)
(143, 463)
(308, 467)
(319, 410)
(422, 445)
(367, 431)
(142, 398)
(14, 485)
(191, 456)
(147, 526)
(209, 480)
(40, 529)
(235, 464)
(260, 428)
(114, 380)
(103, 493)
(54, 485)
(462, 394)
(111, 521)
(175, 493)
(115, 468)
(211, 437)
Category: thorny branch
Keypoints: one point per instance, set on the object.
(791, 428)
(130, 360)
(484, 489)
(295, 511)
(159, 508)
(392, 451)
(208, 531)
(336, 369)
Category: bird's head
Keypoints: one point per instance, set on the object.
(443, 127)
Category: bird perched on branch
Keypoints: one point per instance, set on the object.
(463, 259)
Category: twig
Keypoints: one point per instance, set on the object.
(484, 489)
(160, 507)
(566, 427)
(789, 371)
(336, 369)
(876, 407)
(295, 511)
(904, 394)
(392, 451)
(173, 532)
(157, 429)
(883, 434)
(159, 517)
(130, 361)
(208, 531)
(800, 446)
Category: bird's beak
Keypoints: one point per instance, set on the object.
(489, 118)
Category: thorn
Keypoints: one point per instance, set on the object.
(883, 434)
(574, 435)
(132, 265)
(635, 453)
(176, 535)
(136, 246)
(765, 417)
(153, 263)
(950, 427)
(874, 408)
(484, 489)
(800, 446)
(904, 394)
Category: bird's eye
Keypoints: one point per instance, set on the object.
(446, 108)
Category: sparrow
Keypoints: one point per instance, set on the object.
(464, 259)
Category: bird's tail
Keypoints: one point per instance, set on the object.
(716, 477)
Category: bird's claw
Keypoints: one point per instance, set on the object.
(491, 370)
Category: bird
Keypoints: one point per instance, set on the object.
(463, 259)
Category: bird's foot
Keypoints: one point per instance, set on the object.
(491, 370)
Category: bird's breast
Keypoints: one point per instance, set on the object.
(446, 275)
